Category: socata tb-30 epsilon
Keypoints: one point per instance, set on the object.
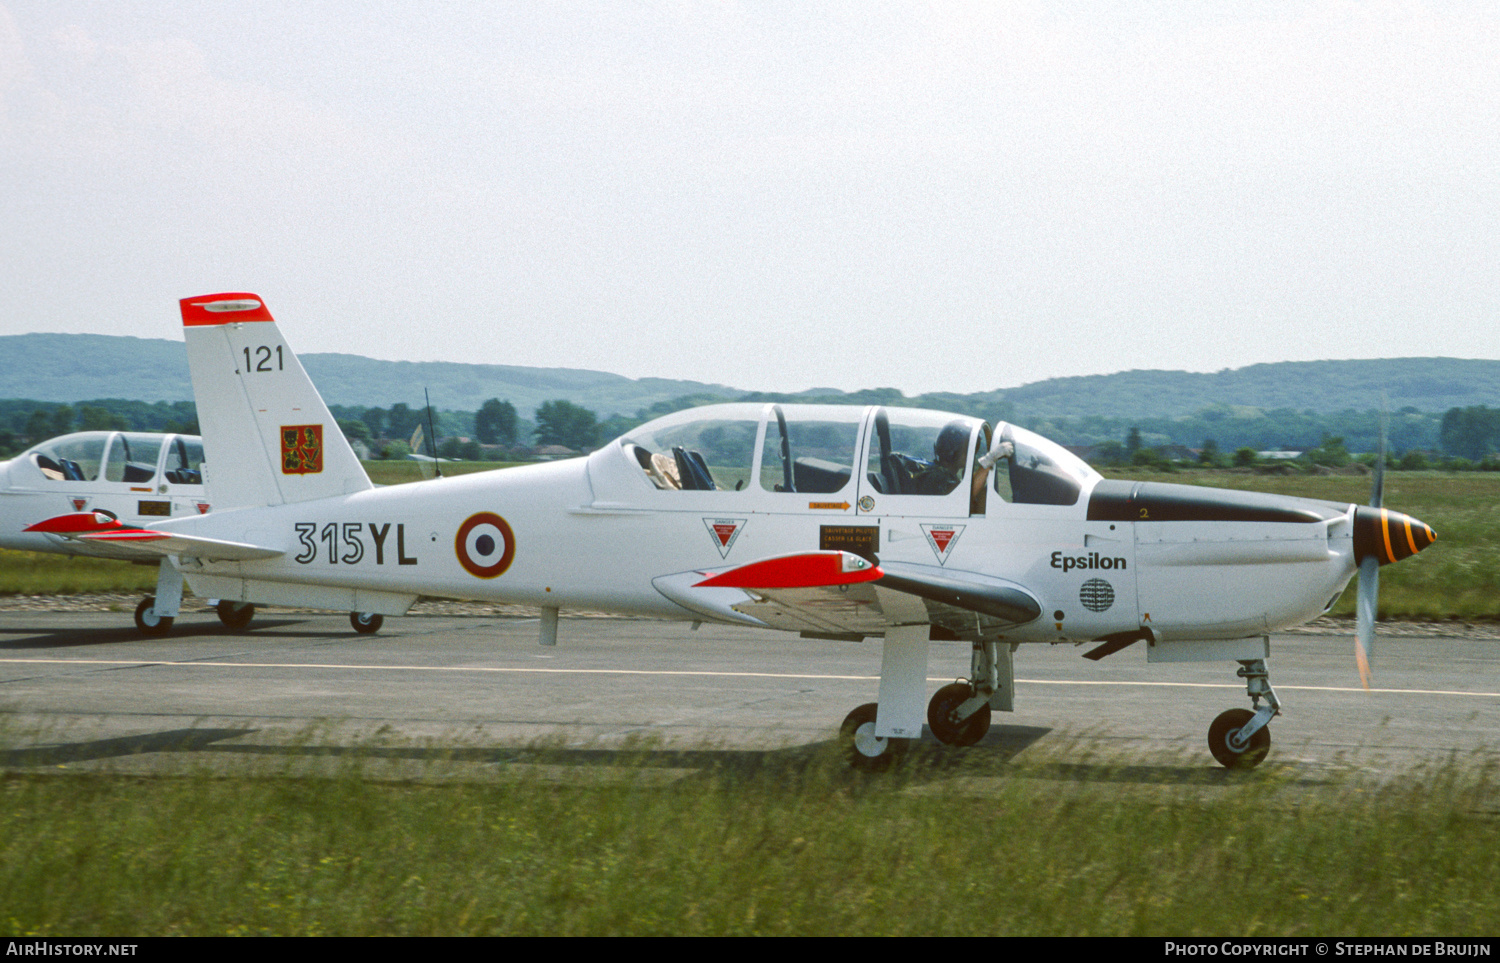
(837, 522)
(133, 477)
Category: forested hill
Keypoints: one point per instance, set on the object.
(75, 367)
(1426, 384)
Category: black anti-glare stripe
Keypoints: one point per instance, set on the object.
(1125, 501)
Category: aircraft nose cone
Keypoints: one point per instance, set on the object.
(1388, 536)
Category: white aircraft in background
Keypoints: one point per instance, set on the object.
(134, 477)
(904, 525)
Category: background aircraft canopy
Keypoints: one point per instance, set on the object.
(117, 456)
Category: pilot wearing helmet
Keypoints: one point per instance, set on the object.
(941, 475)
(949, 451)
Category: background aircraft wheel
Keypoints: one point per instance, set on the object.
(939, 720)
(865, 750)
(366, 623)
(235, 615)
(1227, 724)
(147, 621)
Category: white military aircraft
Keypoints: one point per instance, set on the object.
(130, 476)
(837, 522)
(133, 477)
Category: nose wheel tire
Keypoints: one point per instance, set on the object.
(865, 750)
(148, 622)
(366, 623)
(1222, 740)
(235, 615)
(940, 721)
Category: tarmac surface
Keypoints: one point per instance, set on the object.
(456, 695)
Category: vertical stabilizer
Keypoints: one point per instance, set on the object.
(268, 438)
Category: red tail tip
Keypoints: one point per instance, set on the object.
(223, 309)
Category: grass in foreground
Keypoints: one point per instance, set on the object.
(799, 847)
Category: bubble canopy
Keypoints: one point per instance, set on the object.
(845, 451)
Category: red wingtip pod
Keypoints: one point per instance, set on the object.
(223, 309)
(1389, 536)
(805, 570)
(76, 523)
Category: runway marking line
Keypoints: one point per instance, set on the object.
(702, 672)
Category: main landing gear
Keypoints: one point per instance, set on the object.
(958, 715)
(235, 615)
(1240, 738)
(149, 622)
(865, 750)
(152, 623)
(945, 714)
(366, 623)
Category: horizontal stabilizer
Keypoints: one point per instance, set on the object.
(96, 528)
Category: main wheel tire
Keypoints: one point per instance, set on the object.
(366, 623)
(1227, 725)
(148, 622)
(235, 615)
(865, 750)
(940, 711)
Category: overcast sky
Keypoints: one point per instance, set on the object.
(775, 196)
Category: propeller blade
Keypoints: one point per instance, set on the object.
(1364, 616)
(1367, 603)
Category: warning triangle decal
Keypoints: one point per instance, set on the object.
(724, 532)
(942, 538)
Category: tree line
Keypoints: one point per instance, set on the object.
(498, 430)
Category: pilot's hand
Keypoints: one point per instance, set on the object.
(1000, 449)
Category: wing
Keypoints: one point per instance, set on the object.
(109, 537)
(839, 595)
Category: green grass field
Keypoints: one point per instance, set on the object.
(800, 847)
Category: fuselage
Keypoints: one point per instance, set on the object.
(630, 528)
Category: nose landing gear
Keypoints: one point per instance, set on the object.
(1239, 738)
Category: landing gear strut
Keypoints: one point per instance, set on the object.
(156, 613)
(1240, 738)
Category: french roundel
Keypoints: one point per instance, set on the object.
(485, 545)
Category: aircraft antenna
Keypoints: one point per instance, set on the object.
(437, 469)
